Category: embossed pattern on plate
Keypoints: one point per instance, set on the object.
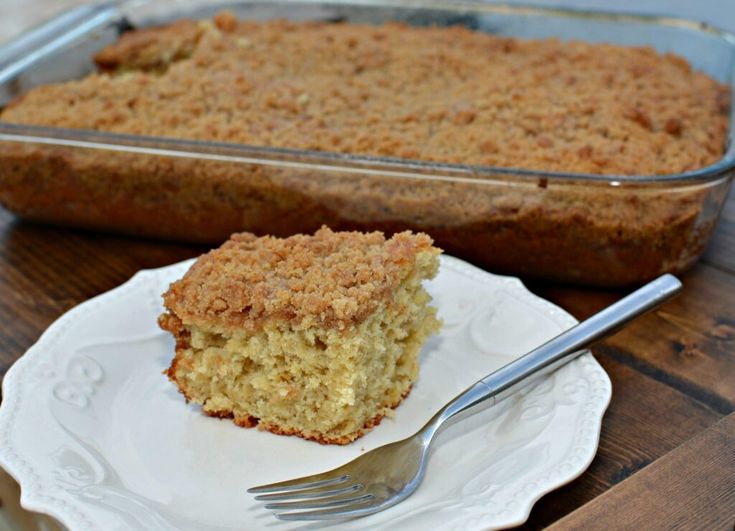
(99, 439)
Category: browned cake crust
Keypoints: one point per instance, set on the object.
(329, 280)
(254, 422)
(443, 94)
(151, 49)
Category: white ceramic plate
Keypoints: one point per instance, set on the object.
(98, 438)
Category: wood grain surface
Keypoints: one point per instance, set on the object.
(666, 455)
(692, 487)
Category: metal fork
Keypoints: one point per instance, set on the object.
(389, 474)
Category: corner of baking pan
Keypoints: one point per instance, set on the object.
(57, 32)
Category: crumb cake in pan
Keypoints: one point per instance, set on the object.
(316, 336)
(443, 94)
(438, 94)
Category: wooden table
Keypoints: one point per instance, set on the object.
(667, 449)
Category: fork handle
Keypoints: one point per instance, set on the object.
(554, 353)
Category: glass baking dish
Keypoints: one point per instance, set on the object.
(579, 228)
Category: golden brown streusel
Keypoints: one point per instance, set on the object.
(440, 94)
(330, 279)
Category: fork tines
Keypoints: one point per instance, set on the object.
(329, 498)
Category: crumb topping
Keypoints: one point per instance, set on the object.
(431, 93)
(331, 279)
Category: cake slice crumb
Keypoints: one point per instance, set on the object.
(311, 335)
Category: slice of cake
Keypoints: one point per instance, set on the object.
(316, 336)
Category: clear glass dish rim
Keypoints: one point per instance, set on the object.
(208, 150)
